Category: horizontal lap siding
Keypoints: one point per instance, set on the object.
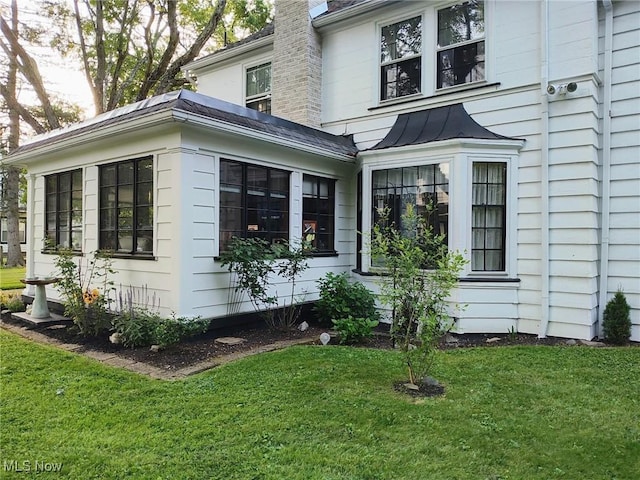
(624, 234)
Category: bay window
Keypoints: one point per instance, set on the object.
(425, 187)
(488, 211)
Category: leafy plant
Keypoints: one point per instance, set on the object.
(354, 330)
(85, 287)
(617, 320)
(138, 322)
(253, 260)
(14, 304)
(340, 299)
(418, 275)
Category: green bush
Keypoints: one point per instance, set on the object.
(354, 330)
(616, 320)
(15, 304)
(138, 327)
(341, 299)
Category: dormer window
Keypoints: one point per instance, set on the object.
(401, 59)
(460, 55)
(258, 90)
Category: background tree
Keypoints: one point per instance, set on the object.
(128, 50)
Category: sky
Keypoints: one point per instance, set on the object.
(62, 76)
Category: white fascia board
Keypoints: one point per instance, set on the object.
(350, 12)
(80, 139)
(451, 145)
(221, 56)
(233, 129)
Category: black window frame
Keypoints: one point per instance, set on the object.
(318, 213)
(460, 61)
(57, 195)
(114, 218)
(260, 101)
(240, 188)
(481, 206)
(437, 219)
(400, 72)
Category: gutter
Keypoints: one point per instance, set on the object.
(606, 164)
(544, 167)
(350, 12)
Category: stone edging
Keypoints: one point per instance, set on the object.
(141, 368)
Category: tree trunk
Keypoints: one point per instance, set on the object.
(12, 174)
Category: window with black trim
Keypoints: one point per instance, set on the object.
(425, 187)
(254, 202)
(63, 210)
(258, 88)
(318, 212)
(401, 59)
(126, 207)
(489, 225)
(461, 34)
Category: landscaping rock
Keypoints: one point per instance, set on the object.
(411, 386)
(115, 338)
(155, 348)
(325, 338)
(450, 339)
(230, 340)
(430, 381)
(571, 341)
(589, 343)
(493, 339)
(303, 327)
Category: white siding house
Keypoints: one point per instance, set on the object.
(520, 119)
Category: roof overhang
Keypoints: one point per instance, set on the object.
(180, 109)
(347, 13)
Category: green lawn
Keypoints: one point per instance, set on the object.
(10, 278)
(326, 413)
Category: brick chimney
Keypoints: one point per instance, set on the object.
(296, 77)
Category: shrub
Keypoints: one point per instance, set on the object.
(354, 330)
(85, 288)
(340, 299)
(616, 319)
(253, 261)
(419, 274)
(138, 323)
(14, 304)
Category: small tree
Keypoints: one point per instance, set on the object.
(616, 319)
(418, 275)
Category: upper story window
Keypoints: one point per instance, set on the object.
(258, 93)
(318, 212)
(488, 210)
(254, 202)
(460, 52)
(401, 59)
(126, 207)
(425, 187)
(63, 207)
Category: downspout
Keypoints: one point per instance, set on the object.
(606, 163)
(31, 263)
(544, 167)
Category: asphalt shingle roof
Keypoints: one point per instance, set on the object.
(204, 106)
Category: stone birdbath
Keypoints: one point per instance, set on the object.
(40, 309)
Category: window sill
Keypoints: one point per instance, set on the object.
(130, 256)
(75, 253)
(460, 279)
(322, 254)
(438, 94)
